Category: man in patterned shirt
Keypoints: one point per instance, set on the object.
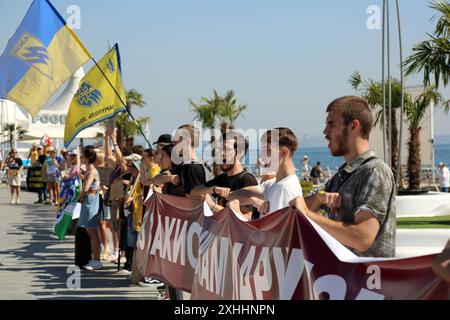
(359, 198)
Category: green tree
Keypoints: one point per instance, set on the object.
(126, 127)
(372, 92)
(222, 109)
(12, 132)
(230, 111)
(416, 111)
(432, 56)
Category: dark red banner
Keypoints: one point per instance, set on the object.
(281, 256)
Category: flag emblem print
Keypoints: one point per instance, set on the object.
(87, 95)
(32, 51)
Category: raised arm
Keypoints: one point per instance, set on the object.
(108, 151)
(119, 157)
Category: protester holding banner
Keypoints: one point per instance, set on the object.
(359, 198)
(89, 198)
(277, 149)
(149, 169)
(441, 264)
(192, 172)
(169, 178)
(14, 167)
(234, 176)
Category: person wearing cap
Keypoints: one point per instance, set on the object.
(444, 177)
(163, 140)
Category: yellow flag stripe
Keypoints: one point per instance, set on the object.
(34, 89)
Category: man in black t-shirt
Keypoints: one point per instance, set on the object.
(192, 172)
(234, 175)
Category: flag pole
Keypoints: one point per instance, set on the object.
(124, 104)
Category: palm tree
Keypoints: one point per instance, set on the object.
(12, 132)
(372, 92)
(432, 56)
(415, 113)
(230, 111)
(126, 128)
(224, 109)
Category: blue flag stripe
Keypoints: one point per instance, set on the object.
(41, 21)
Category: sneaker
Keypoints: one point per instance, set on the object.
(13, 202)
(18, 201)
(47, 202)
(124, 272)
(113, 258)
(151, 283)
(93, 265)
(105, 256)
(37, 202)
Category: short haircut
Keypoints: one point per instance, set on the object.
(90, 154)
(193, 133)
(239, 140)
(138, 150)
(286, 138)
(354, 108)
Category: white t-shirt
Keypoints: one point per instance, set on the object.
(280, 193)
(444, 177)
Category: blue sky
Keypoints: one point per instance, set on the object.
(285, 59)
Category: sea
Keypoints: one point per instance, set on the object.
(328, 162)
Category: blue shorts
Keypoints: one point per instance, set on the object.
(89, 211)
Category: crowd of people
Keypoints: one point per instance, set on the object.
(358, 200)
(356, 206)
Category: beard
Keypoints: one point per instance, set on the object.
(226, 167)
(342, 145)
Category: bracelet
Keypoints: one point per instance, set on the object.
(115, 144)
(214, 191)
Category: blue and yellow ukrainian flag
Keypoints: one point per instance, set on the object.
(100, 96)
(42, 54)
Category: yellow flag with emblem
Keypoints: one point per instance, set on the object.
(97, 99)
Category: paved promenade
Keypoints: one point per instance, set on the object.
(33, 262)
